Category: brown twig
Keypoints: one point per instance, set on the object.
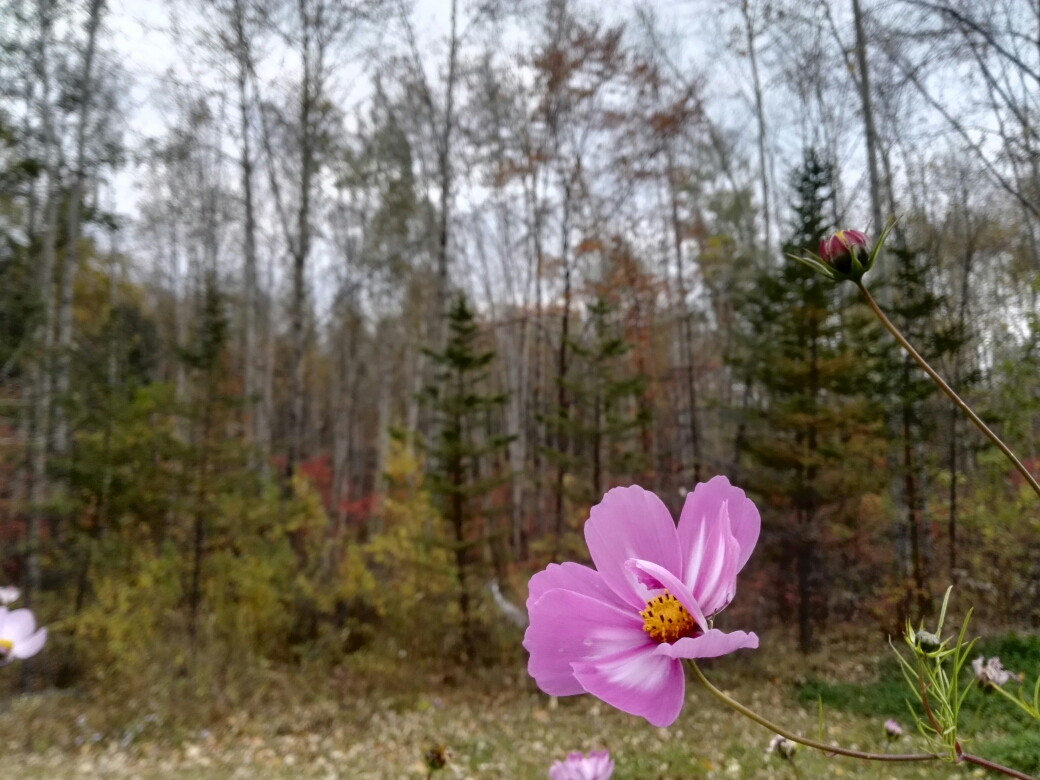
(968, 758)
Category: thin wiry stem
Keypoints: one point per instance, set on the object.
(948, 390)
(968, 758)
(812, 743)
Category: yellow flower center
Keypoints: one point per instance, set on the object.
(666, 620)
(6, 645)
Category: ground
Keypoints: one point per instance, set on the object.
(495, 724)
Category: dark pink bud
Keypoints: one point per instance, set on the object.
(836, 246)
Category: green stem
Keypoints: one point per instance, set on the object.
(948, 390)
(821, 746)
(1018, 703)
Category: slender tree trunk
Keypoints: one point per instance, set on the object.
(686, 331)
(249, 275)
(918, 597)
(40, 372)
(445, 175)
(199, 523)
(300, 254)
(562, 400)
(83, 581)
(760, 117)
(868, 124)
(807, 542)
(456, 472)
(346, 381)
(517, 367)
(70, 262)
(384, 367)
(962, 320)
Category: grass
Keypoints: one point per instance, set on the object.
(372, 720)
(995, 728)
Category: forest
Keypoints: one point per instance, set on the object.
(325, 324)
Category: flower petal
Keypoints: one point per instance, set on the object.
(703, 503)
(570, 576)
(567, 627)
(29, 647)
(657, 578)
(710, 644)
(718, 530)
(631, 523)
(639, 682)
(17, 625)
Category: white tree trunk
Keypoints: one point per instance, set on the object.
(70, 261)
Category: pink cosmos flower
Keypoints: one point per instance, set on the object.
(595, 766)
(18, 635)
(619, 631)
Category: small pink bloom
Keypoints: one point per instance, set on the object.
(991, 672)
(595, 766)
(621, 630)
(842, 243)
(893, 729)
(18, 635)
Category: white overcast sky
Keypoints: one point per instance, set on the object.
(141, 35)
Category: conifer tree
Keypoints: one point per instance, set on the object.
(462, 459)
(604, 414)
(812, 387)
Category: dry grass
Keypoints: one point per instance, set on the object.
(373, 719)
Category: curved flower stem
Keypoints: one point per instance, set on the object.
(948, 390)
(821, 746)
(968, 758)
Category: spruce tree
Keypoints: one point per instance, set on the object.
(812, 388)
(462, 459)
(604, 415)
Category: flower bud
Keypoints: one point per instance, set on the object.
(846, 252)
(928, 641)
(436, 757)
(845, 255)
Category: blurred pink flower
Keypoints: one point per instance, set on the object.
(18, 635)
(595, 766)
(991, 672)
(619, 631)
(893, 729)
(9, 595)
